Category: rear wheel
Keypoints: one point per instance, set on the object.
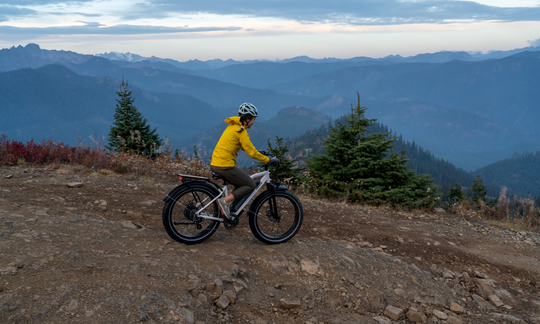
(179, 214)
(275, 219)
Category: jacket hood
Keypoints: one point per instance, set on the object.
(233, 120)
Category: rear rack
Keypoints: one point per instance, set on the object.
(192, 177)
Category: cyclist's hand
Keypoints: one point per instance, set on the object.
(274, 161)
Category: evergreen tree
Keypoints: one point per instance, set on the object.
(287, 169)
(365, 169)
(456, 194)
(130, 130)
(479, 191)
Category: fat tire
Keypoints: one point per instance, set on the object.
(168, 217)
(255, 213)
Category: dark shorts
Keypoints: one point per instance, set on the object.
(242, 182)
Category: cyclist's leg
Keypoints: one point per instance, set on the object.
(242, 182)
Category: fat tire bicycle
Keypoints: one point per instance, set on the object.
(191, 213)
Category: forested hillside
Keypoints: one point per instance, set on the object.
(520, 174)
(421, 160)
(55, 101)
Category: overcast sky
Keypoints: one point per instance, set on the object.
(271, 29)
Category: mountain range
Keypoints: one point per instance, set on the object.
(470, 109)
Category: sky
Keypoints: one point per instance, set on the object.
(271, 29)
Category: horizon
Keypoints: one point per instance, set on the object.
(532, 45)
(271, 30)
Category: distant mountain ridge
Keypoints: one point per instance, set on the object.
(32, 56)
(466, 111)
(55, 101)
(217, 93)
(438, 57)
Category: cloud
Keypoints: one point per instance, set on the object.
(74, 14)
(7, 12)
(93, 28)
(39, 2)
(534, 43)
(356, 12)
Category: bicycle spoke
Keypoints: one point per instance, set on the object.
(183, 213)
(274, 225)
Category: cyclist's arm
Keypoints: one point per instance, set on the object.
(250, 149)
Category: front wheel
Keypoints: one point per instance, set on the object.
(275, 219)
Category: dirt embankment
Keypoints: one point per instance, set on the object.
(99, 254)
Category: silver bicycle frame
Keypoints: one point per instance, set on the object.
(224, 192)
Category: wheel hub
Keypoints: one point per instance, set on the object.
(272, 216)
(189, 212)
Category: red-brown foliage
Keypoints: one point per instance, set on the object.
(13, 152)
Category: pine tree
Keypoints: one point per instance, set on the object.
(287, 169)
(456, 194)
(479, 191)
(365, 169)
(130, 130)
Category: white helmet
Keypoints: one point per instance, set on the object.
(248, 109)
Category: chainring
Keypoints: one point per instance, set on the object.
(231, 224)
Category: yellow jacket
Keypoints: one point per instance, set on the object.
(231, 142)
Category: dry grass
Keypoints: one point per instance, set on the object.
(514, 212)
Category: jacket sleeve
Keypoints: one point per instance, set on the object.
(250, 149)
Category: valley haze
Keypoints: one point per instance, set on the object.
(471, 110)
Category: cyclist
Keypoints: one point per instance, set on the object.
(234, 139)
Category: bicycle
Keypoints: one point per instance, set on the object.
(191, 213)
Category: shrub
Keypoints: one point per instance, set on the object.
(97, 158)
(50, 151)
(287, 170)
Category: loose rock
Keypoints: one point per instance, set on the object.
(289, 303)
(230, 295)
(456, 308)
(415, 316)
(439, 314)
(453, 320)
(223, 302)
(495, 300)
(393, 312)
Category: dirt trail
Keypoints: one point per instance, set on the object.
(99, 254)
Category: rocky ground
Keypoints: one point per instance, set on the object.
(99, 254)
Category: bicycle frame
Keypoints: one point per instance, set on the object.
(224, 192)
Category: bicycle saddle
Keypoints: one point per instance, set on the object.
(217, 176)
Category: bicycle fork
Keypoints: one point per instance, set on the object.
(273, 204)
